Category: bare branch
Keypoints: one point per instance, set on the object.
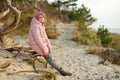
(4, 13)
(28, 49)
(35, 71)
(33, 5)
(13, 26)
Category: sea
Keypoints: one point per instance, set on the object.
(112, 30)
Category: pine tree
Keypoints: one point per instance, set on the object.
(103, 34)
(83, 16)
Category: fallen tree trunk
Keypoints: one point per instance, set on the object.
(19, 49)
(23, 49)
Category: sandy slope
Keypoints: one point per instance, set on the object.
(69, 55)
(73, 58)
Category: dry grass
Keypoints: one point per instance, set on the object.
(106, 53)
(49, 76)
(51, 29)
(115, 41)
(20, 31)
(88, 37)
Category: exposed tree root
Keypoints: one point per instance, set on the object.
(35, 71)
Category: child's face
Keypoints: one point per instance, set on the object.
(42, 18)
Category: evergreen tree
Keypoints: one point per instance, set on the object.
(83, 16)
(103, 34)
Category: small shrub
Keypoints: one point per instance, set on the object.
(49, 76)
(103, 34)
(88, 38)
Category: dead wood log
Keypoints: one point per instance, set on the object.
(24, 49)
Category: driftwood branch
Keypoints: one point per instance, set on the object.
(13, 26)
(36, 71)
(2, 15)
(25, 49)
(2, 70)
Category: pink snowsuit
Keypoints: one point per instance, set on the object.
(38, 39)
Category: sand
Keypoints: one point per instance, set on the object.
(67, 54)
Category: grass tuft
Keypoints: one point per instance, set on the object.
(107, 54)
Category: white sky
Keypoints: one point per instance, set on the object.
(106, 11)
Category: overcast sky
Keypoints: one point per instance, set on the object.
(106, 11)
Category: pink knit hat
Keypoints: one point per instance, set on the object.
(37, 15)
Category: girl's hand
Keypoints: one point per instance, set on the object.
(49, 50)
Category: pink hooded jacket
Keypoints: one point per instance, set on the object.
(38, 39)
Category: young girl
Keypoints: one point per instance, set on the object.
(39, 41)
